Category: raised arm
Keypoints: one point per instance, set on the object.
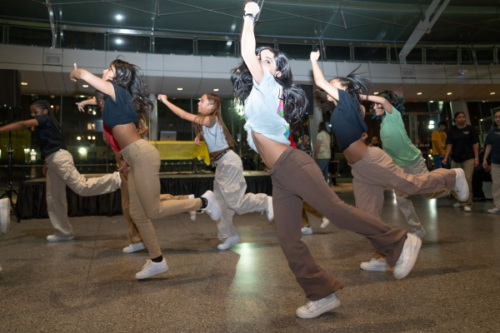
(248, 44)
(98, 83)
(184, 114)
(319, 78)
(81, 105)
(378, 99)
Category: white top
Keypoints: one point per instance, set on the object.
(263, 112)
(214, 137)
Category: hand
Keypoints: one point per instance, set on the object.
(444, 161)
(252, 8)
(124, 169)
(72, 74)
(197, 140)
(163, 98)
(485, 165)
(364, 136)
(315, 55)
(476, 163)
(81, 106)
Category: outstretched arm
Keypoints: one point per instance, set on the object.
(98, 83)
(319, 78)
(19, 125)
(248, 44)
(81, 105)
(184, 114)
(378, 99)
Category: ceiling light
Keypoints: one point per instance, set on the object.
(216, 89)
(119, 41)
(24, 83)
(180, 89)
(85, 85)
(492, 93)
(118, 17)
(449, 93)
(375, 93)
(431, 101)
(419, 93)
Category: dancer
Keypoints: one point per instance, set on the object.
(439, 144)
(492, 144)
(389, 107)
(263, 82)
(462, 144)
(59, 169)
(124, 98)
(229, 183)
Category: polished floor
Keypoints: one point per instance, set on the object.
(88, 285)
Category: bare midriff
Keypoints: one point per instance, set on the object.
(355, 151)
(269, 150)
(125, 134)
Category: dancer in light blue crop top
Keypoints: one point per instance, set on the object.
(296, 177)
(229, 184)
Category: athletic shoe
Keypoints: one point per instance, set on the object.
(374, 265)
(420, 233)
(56, 238)
(269, 209)
(193, 212)
(306, 231)
(467, 209)
(134, 247)
(212, 208)
(151, 268)
(313, 309)
(230, 241)
(494, 210)
(4, 215)
(457, 205)
(119, 179)
(324, 222)
(408, 256)
(461, 187)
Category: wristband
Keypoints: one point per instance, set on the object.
(251, 16)
(477, 159)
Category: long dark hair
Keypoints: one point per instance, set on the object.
(294, 98)
(214, 114)
(45, 105)
(355, 85)
(127, 77)
(398, 102)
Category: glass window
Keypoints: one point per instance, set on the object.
(372, 54)
(30, 36)
(129, 43)
(338, 53)
(296, 51)
(173, 46)
(82, 40)
(221, 48)
(441, 55)
(414, 57)
(484, 56)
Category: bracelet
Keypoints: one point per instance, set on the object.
(477, 159)
(251, 16)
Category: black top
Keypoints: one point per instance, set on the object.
(462, 141)
(48, 135)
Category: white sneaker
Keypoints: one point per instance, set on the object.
(313, 309)
(324, 222)
(228, 242)
(193, 212)
(306, 231)
(467, 209)
(4, 214)
(374, 265)
(269, 209)
(119, 179)
(134, 247)
(494, 210)
(55, 238)
(457, 205)
(151, 268)
(461, 187)
(212, 209)
(408, 256)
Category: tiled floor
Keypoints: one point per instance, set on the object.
(88, 285)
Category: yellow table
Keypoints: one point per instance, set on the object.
(182, 150)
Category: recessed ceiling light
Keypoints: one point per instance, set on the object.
(85, 85)
(431, 101)
(492, 93)
(375, 93)
(24, 83)
(419, 93)
(449, 93)
(216, 89)
(180, 89)
(119, 41)
(118, 17)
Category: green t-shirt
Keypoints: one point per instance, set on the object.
(395, 140)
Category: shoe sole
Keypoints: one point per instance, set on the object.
(367, 267)
(415, 249)
(319, 312)
(148, 276)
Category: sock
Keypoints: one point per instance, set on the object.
(204, 202)
(157, 259)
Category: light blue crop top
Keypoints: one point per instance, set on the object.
(214, 137)
(264, 112)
